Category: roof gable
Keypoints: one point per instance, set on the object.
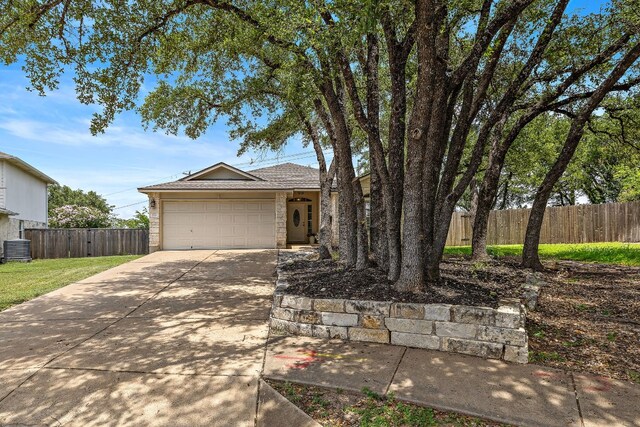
(282, 177)
(221, 172)
(26, 167)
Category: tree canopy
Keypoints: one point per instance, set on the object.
(63, 195)
(436, 92)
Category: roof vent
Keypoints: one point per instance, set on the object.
(17, 250)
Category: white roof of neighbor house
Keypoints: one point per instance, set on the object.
(4, 211)
(286, 176)
(21, 164)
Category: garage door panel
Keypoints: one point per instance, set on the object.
(218, 224)
(267, 218)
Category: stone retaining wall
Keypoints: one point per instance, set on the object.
(479, 331)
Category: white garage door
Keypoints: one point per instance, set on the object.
(227, 224)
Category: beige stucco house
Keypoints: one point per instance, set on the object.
(23, 197)
(223, 207)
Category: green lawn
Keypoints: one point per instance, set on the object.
(609, 253)
(22, 281)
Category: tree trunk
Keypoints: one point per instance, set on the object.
(397, 53)
(487, 195)
(362, 256)
(326, 176)
(349, 203)
(377, 225)
(479, 236)
(530, 256)
(324, 234)
(412, 269)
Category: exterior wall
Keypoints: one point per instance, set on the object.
(335, 220)
(155, 214)
(314, 196)
(281, 219)
(365, 183)
(10, 228)
(222, 173)
(154, 222)
(24, 194)
(204, 195)
(3, 186)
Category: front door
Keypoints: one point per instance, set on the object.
(297, 222)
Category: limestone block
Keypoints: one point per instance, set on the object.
(294, 301)
(517, 337)
(441, 312)
(339, 319)
(369, 335)
(331, 332)
(509, 316)
(474, 348)
(430, 342)
(283, 313)
(368, 307)
(412, 326)
(332, 305)
(458, 330)
(307, 316)
(516, 354)
(407, 310)
(473, 315)
(371, 322)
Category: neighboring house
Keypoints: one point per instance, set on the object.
(23, 198)
(224, 207)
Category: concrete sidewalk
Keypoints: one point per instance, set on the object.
(526, 395)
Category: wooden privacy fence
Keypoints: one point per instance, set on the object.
(610, 222)
(86, 242)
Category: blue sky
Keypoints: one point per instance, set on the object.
(52, 134)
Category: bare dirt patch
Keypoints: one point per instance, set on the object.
(588, 319)
(345, 409)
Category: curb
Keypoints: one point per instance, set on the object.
(274, 409)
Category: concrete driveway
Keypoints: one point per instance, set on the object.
(174, 338)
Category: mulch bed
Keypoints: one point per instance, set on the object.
(462, 283)
(587, 319)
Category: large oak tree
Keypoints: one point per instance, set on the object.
(438, 89)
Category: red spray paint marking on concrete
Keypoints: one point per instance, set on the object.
(308, 357)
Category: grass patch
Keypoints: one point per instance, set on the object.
(376, 411)
(339, 408)
(544, 356)
(608, 253)
(22, 281)
(634, 376)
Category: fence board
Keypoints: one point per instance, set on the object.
(610, 222)
(86, 242)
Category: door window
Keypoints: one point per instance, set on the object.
(296, 217)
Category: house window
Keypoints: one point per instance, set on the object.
(21, 229)
(309, 220)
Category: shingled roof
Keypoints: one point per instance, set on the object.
(286, 176)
